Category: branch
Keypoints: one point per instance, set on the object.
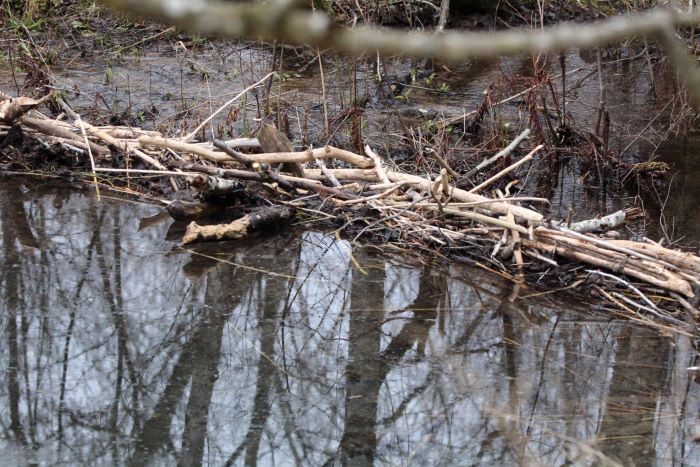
(261, 21)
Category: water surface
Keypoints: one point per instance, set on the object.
(120, 349)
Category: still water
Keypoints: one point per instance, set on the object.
(120, 349)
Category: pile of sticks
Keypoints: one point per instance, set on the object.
(643, 278)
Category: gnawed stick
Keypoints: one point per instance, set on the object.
(204, 153)
(476, 217)
(237, 156)
(587, 252)
(327, 152)
(680, 259)
(502, 153)
(378, 167)
(517, 253)
(121, 145)
(560, 232)
(331, 178)
(263, 178)
(240, 228)
(508, 169)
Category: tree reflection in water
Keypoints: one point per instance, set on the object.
(282, 351)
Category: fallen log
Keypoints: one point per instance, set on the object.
(240, 228)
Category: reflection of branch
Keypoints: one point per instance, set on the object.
(71, 325)
(417, 391)
(114, 300)
(12, 292)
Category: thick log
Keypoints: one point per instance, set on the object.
(240, 228)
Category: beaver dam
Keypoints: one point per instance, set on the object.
(235, 253)
(229, 189)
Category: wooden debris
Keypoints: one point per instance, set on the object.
(240, 228)
(429, 210)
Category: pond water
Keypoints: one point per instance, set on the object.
(295, 349)
(119, 348)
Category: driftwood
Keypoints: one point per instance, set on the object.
(240, 228)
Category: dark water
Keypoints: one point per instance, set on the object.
(117, 349)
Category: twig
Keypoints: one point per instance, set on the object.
(502, 153)
(92, 159)
(331, 178)
(443, 163)
(239, 157)
(229, 102)
(378, 167)
(370, 198)
(508, 169)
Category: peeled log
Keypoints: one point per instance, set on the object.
(586, 252)
(240, 228)
(681, 259)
